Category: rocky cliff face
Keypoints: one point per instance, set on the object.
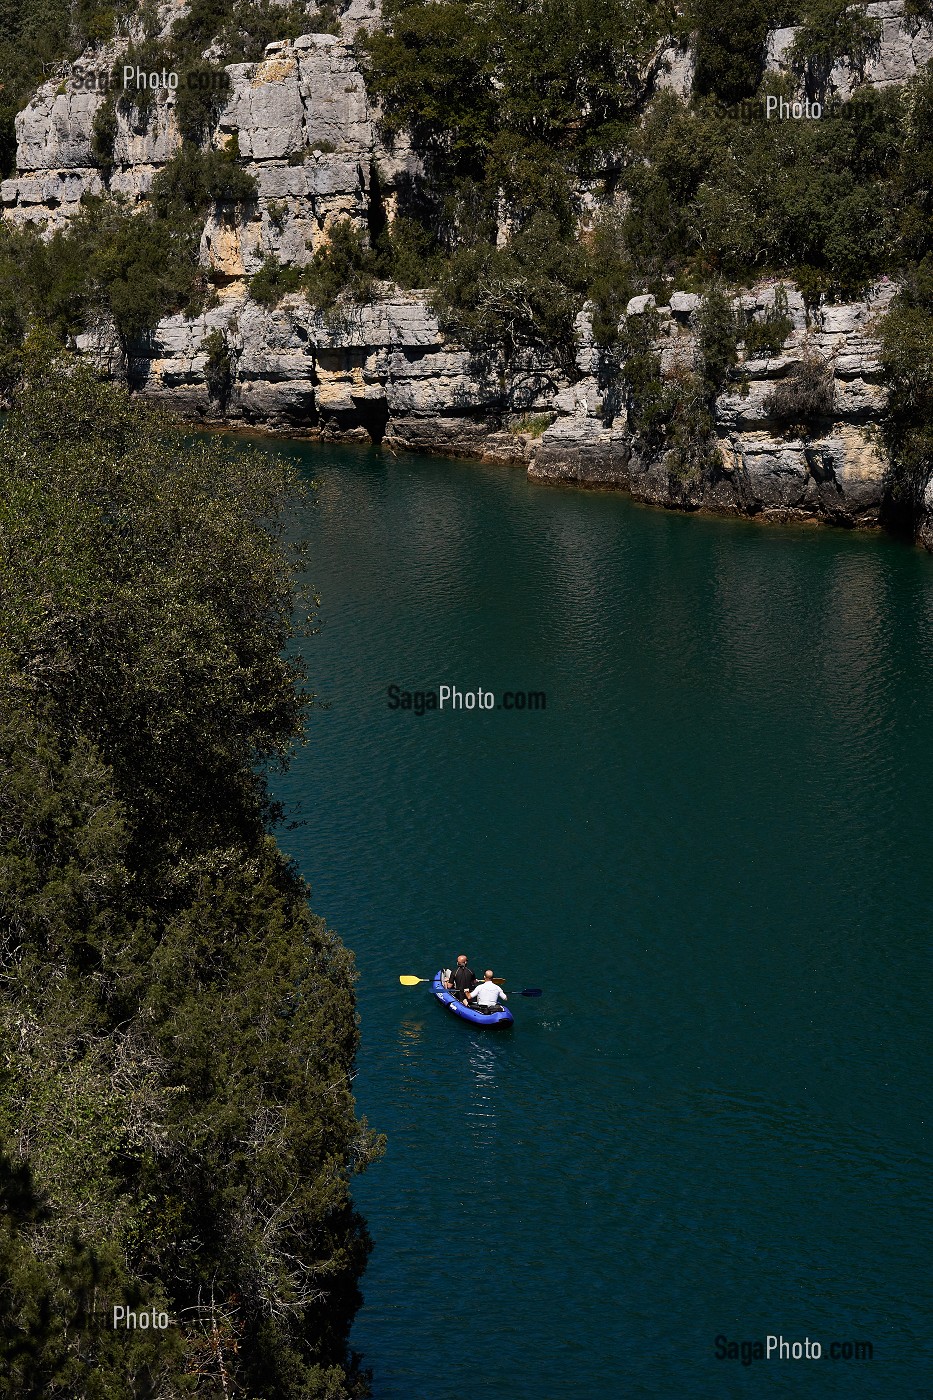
(304, 127)
(904, 47)
(307, 132)
(835, 473)
(386, 372)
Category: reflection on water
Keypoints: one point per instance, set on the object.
(410, 1035)
(485, 1061)
(712, 850)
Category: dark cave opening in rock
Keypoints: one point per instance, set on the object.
(373, 415)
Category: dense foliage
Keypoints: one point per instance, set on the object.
(113, 265)
(523, 111)
(34, 36)
(712, 195)
(176, 1121)
(907, 361)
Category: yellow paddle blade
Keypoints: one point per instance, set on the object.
(411, 981)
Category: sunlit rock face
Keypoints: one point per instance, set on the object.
(832, 468)
(305, 129)
(905, 46)
(300, 119)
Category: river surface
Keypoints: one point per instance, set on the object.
(712, 851)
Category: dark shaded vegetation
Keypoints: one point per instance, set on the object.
(520, 111)
(34, 36)
(765, 336)
(707, 196)
(804, 397)
(907, 362)
(177, 1128)
(218, 367)
(715, 196)
(730, 46)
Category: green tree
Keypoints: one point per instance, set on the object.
(729, 46)
(832, 31)
(907, 362)
(178, 1029)
(272, 281)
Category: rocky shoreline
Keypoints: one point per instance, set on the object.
(305, 130)
(385, 372)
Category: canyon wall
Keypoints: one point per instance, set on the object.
(305, 129)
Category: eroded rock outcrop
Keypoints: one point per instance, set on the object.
(905, 46)
(386, 372)
(303, 125)
(306, 131)
(835, 471)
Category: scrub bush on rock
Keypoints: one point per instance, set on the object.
(804, 397)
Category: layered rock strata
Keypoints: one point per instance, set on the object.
(386, 372)
(303, 126)
(306, 131)
(834, 472)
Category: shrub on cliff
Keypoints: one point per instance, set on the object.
(729, 45)
(177, 1028)
(766, 336)
(193, 180)
(524, 297)
(203, 92)
(913, 183)
(104, 134)
(717, 339)
(218, 367)
(107, 264)
(610, 280)
(832, 31)
(272, 281)
(343, 267)
(906, 334)
(803, 399)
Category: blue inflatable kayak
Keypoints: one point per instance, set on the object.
(502, 1016)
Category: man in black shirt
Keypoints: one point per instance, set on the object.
(461, 980)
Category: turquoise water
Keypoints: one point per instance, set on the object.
(712, 852)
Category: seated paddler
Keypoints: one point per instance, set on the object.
(462, 980)
(487, 995)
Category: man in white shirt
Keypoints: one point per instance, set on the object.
(487, 994)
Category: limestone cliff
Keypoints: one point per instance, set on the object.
(306, 130)
(837, 473)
